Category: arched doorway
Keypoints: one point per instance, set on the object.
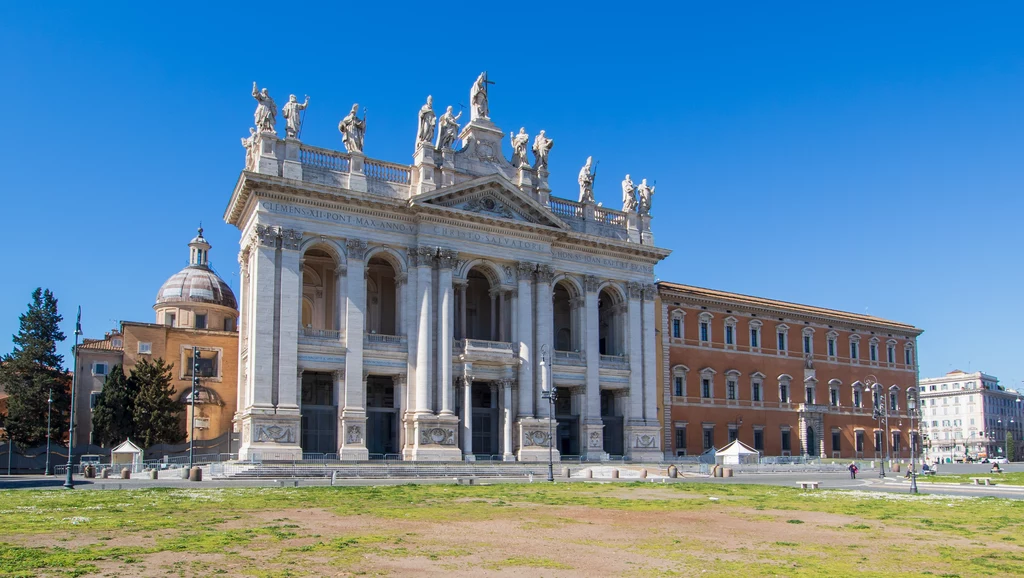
(812, 442)
(381, 416)
(319, 414)
(480, 315)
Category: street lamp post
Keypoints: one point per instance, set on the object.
(912, 409)
(879, 414)
(192, 402)
(69, 481)
(49, 407)
(549, 394)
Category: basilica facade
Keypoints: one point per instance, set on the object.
(449, 309)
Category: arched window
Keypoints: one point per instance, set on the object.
(833, 392)
(611, 320)
(381, 297)
(808, 340)
(566, 306)
(858, 394)
(894, 399)
(832, 347)
(782, 339)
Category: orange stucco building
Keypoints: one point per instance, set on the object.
(783, 378)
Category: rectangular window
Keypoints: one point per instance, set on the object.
(756, 393)
(169, 319)
(859, 437)
(677, 328)
(784, 393)
(728, 335)
(759, 440)
(854, 350)
(99, 369)
(908, 356)
(679, 386)
(893, 405)
(733, 433)
(856, 398)
(807, 343)
(785, 441)
(831, 347)
(878, 440)
(680, 438)
(709, 438)
(229, 324)
(836, 437)
(208, 363)
(705, 388)
(782, 341)
(200, 321)
(873, 351)
(145, 347)
(891, 353)
(730, 389)
(753, 338)
(897, 442)
(834, 397)
(809, 395)
(704, 329)
(93, 398)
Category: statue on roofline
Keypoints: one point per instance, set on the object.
(250, 149)
(448, 129)
(646, 192)
(425, 132)
(292, 113)
(266, 110)
(478, 97)
(629, 202)
(586, 180)
(519, 142)
(541, 146)
(353, 129)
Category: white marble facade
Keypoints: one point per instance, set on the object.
(421, 310)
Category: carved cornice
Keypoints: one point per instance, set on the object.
(356, 248)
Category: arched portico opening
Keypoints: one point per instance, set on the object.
(480, 308)
(381, 297)
(319, 308)
(565, 309)
(611, 322)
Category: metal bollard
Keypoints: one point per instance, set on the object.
(565, 472)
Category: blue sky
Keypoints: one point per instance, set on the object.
(865, 157)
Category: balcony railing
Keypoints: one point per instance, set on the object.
(483, 346)
(324, 334)
(615, 361)
(324, 158)
(384, 171)
(570, 358)
(380, 341)
(566, 209)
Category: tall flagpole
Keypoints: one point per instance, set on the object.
(69, 481)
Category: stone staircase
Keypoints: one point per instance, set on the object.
(371, 470)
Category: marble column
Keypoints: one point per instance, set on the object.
(424, 341)
(243, 327)
(462, 309)
(467, 416)
(524, 322)
(502, 317)
(650, 384)
(506, 420)
(339, 387)
(353, 413)
(544, 323)
(261, 343)
(592, 443)
(446, 260)
(340, 300)
(289, 318)
(635, 350)
(493, 294)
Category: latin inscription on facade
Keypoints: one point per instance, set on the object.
(603, 261)
(478, 237)
(341, 218)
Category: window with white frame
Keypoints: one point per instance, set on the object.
(209, 362)
(757, 387)
(755, 335)
(679, 380)
(732, 383)
(145, 347)
(784, 381)
(705, 328)
(873, 350)
(808, 336)
(890, 351)
(100, 368)
(677, 323)
(681, 438)
(833, 392)
(809, 391)
(855, 347)
(782, 338)
(707, 383)
(908, 354)
(894, 403)
(858, 394)
(730, 333)
(832, 339)
(116, 342)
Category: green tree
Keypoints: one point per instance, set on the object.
(157, 414)
(113, 417)
(34, 368)
(1011, 449)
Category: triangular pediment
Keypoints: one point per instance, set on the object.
(491, 196)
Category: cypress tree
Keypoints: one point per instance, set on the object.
(113, 417)
(157, 413)
(34, 368)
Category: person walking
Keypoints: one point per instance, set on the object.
(853, 470)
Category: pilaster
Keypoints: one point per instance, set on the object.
(291, 168)
(446, 259)
(651, 385)
(524, 323)
(353, 419)
(592, 444)
(543, 322)
(634, 337)
(353, 402)
(424, 164)
(356, 172)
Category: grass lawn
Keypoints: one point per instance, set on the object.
(1012, 478)
(638, 529)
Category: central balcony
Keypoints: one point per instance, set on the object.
(381, 342)
(575, 358)
(614, 361)
(322, 337)
(483, 350)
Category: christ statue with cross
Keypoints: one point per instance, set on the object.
(478, 97)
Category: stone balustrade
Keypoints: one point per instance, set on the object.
(570, 358)
(324, 159)
(382, 342)
(388, 172)
(614, 361)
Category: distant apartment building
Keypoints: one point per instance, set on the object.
(783, 378)
(967, 415)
